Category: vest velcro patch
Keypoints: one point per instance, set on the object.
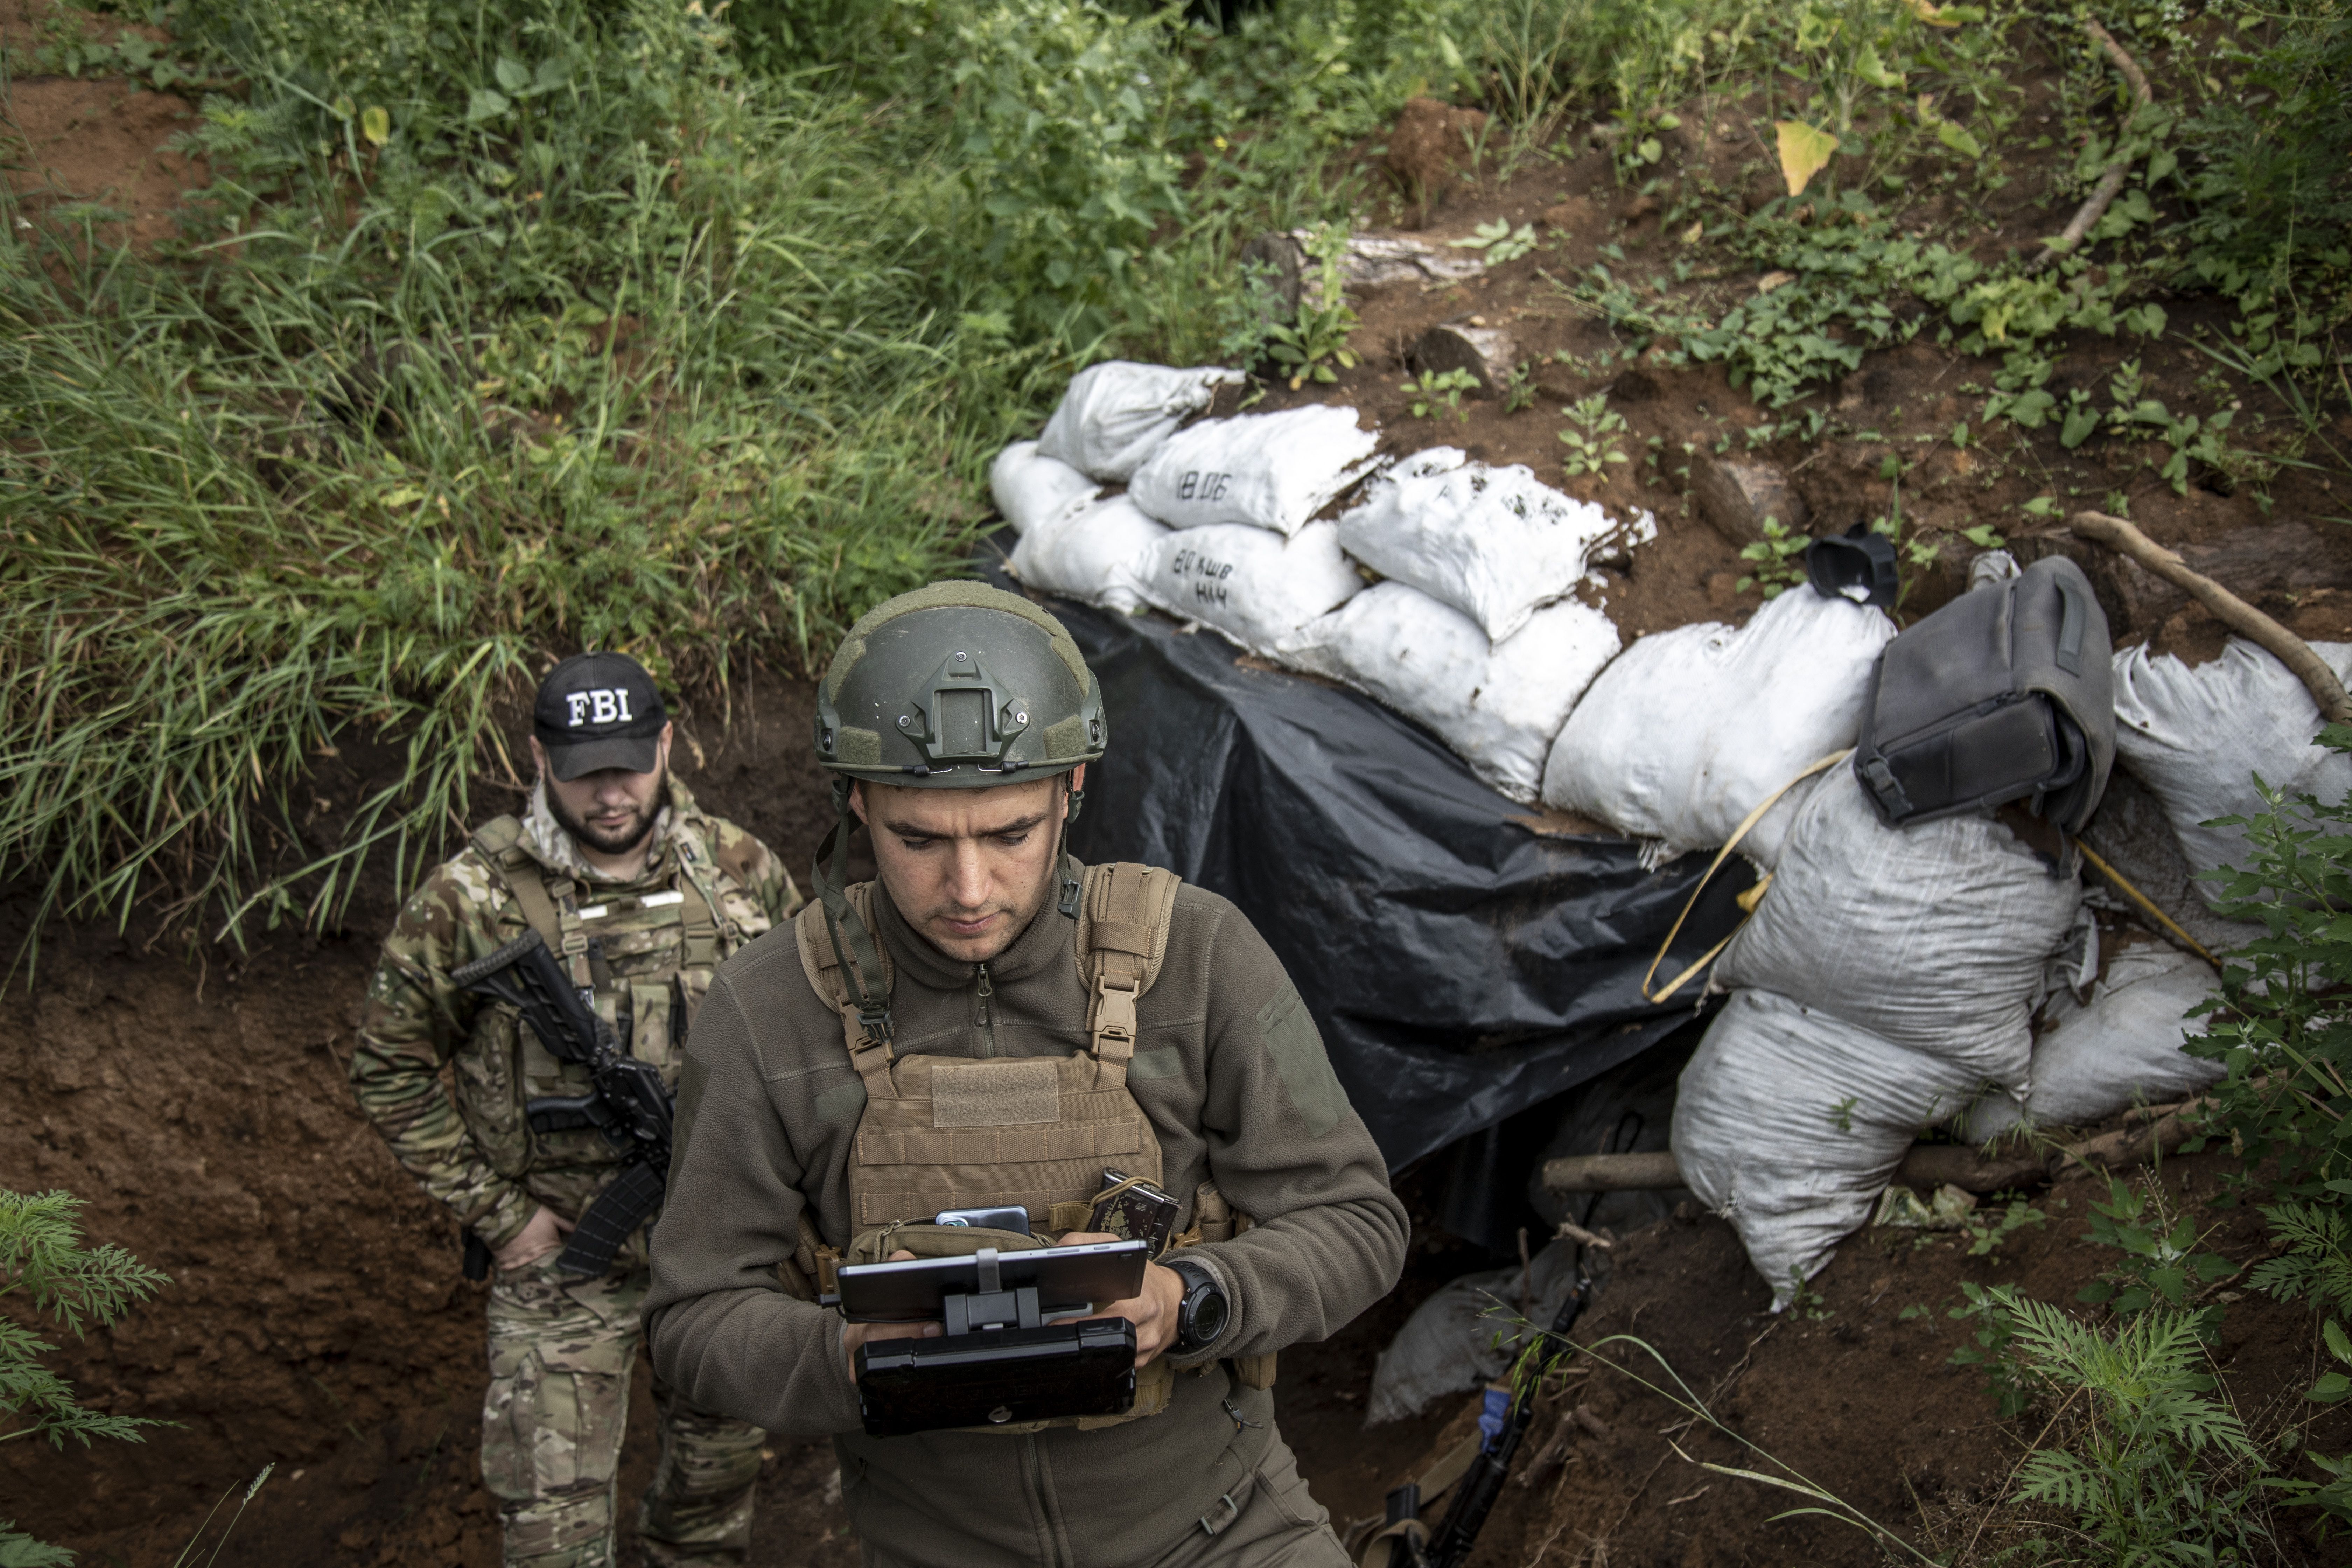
(1020, 1092)
(990, 1146)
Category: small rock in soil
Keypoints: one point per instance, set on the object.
(1735, 497)
(1486, 353)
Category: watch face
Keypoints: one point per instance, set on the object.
(1209, 1316)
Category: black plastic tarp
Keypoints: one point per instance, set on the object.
(1462, 967)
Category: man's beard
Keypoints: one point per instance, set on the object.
(614, 843)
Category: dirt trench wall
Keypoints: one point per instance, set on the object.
(196, 1099)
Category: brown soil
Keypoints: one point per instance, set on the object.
(65, 142)
(2288, 558)
(1850, 1392)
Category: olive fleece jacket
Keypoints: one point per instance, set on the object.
(1233, 1073)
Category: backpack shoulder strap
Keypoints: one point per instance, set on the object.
(821, 960)
(1125, 912)
(500, 841)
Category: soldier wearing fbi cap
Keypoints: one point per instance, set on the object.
(640, 895)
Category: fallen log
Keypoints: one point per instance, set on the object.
(2158, 1129)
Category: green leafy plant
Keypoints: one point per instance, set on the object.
(1993, 1347)
(2282, 1027)
(2158, 1470)
(1440, 389)
(1841, 1113)
(1777, 561)
(1989, 1230)
(2162, 1261)
(1593, 429)
(1317, 336)
(45, 1269)
(1500, 242)
(1520, 392)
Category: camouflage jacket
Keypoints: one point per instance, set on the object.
(444, 1074)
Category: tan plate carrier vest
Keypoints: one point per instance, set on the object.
(942, 1132)
(682, 920)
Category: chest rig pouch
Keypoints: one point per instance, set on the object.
(653, 957)
(942, 1133)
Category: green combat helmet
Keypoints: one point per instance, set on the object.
(954, 686)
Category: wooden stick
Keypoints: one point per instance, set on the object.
(2158, 1129)
(2232, 611)
(2110, 182)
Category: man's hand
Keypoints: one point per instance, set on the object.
(543, 1235)
(855, 1334)
(1153, 1312)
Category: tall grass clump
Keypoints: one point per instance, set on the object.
(493, 336)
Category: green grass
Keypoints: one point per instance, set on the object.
(501, 331)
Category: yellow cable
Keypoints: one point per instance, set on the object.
(2171, 925)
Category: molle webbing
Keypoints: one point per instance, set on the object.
(821, 957)
(1124, 916)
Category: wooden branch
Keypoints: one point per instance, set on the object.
(2111, 180)
(2232, 611)
(1613, 1173)
(2157, 1130)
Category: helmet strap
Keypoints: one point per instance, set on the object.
(1065, 868)
(853, 944)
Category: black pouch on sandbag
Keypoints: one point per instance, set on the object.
(2004, 694)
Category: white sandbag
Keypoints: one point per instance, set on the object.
(1030, 489)
(1254, 586)
(1933, 937)
(1270, 470)
(2119, 1049)
(1692, 729)
(1114, 413)
(1789, 1124)
(1464, 1335)
(1494, 543)
(1096, 553)
(2195, 737)
(1498, 705)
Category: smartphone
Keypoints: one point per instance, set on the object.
(1011, 1217)
(1141, 1213)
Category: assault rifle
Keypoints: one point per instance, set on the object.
(629, 1104)
(1501, 1428)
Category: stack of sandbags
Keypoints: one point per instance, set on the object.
(1268, 470)
(2197, 737)
(1496, 705)
(1114, 414)
(1032, 491)
(1493, 544)
(1690, 729)
(1241, 494)
(1475, 635)
(1111, 420)
(1888, 976)
(2120, 1047)
(1254, 584)
(1095, 552)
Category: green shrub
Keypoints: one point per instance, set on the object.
(46, 1270)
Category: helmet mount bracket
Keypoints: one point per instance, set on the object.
(962, 717)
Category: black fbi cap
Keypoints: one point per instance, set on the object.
(599, 710)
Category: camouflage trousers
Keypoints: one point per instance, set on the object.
(561, 1350)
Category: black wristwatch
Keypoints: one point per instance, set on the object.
(1202, 1312)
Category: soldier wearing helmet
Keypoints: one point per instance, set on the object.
(992, 1024)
